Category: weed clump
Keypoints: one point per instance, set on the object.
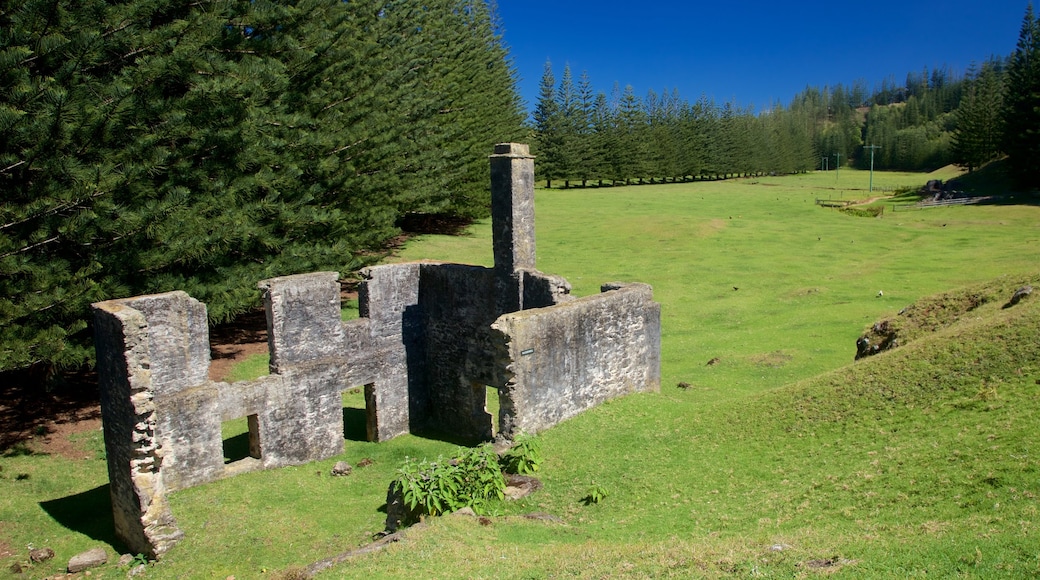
(873, 211)
(472, 478)
(524, 457)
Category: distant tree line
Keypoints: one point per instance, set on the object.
(584, 136)
(203, 146)
(991, 113)
(932, 119)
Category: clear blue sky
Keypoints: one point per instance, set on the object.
(754, 52)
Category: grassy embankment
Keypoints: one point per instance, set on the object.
(780, 459)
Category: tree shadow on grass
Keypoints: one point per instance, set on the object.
(89, 513)
(1013, 199)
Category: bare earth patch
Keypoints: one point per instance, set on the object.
(6, 549)
(35, 418)
(225, 356)
(231, 343)
(777, 358)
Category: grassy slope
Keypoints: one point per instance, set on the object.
(914, 460)
(808, 278)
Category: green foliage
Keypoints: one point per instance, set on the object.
(147, 147)
(594, 494)
(471, 479)
(1022, 102)
(659, 137)
(549, 129)
(979, 123)
(872, 211)
(524, 457)
(662, 137)
(138, 560)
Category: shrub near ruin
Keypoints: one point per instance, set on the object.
(471, 479)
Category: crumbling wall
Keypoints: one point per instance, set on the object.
(162, 416)
(140, 512)
(430, 339)
(458, 307)
(560, 361)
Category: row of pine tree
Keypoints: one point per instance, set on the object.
(582, 135)
(148, 146)
(203, 146)
(933, 119)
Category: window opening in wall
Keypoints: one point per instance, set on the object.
(355, 417)
(348, 306)
(252, 367)
(241, 439)
(491, 405)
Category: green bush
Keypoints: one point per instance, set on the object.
(524, 457)
(471, 479)
(595, 494)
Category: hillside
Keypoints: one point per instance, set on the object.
(783, 458)
(915, 461)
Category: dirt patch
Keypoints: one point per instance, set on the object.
(226, 356)
(236, 341)
(828, 565)
(775, 359)
(6, 549)
(869, 200)
(39, 413)
(712, 227)
(804, 292)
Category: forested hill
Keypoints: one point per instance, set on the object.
(935, 118)
(204, 146)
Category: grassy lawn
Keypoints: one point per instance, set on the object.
(806, 278)
(783, 459)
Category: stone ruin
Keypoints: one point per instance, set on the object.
(430, 340)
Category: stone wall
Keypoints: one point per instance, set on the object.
(430, 340)
(562, 360)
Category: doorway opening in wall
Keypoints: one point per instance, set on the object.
(491, 405)
(241, 439)
(355, 416)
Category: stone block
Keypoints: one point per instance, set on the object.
(303, 318)
(512, 208)
(86, 560)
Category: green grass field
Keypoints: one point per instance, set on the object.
(784, 459)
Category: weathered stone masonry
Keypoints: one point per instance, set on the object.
(430, 340)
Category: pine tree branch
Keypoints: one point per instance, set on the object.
(10, 167)
(126, 24)
(52, 211)
(345, 147)
(337, 103)
(29, 247)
